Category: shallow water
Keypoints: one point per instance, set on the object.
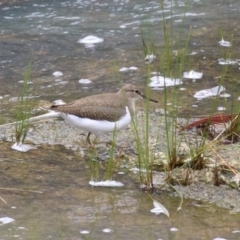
(47, 34)
(67, 205)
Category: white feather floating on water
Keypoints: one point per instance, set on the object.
(135, 169)
(58, 102)
(107, 183)
(150, 58)
(228, 61)
(125, 69)
(192, 75)
(225, 43)
(211, 92)
(21, 147)
(159, 208)
(6, 220)
(160, 81)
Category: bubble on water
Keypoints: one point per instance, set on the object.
(107, 183)
(133, 68)
(155, 73)
(90, 40)
(21, 81)
(84, 232)
(192, 53)
(123, 26)
(57, 74)
(8, 18)
(225, 95)
(84, 81)
(61, 83)
(173, 229)
(124, 69)
(221, 108)
(21, 228)
(107, 230)
(75, 23)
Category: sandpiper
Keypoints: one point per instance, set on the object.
(102, 113)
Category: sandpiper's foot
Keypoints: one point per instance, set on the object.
(92, 144)
(111, 143)
(108, 143)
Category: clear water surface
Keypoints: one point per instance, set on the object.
(46, 33)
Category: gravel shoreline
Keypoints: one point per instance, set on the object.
(202, 185)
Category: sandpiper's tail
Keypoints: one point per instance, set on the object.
(49, 115)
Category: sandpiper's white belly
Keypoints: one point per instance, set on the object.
(97, 127)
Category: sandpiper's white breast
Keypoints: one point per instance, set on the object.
(97, 127)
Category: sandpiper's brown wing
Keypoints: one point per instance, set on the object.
(108, 107)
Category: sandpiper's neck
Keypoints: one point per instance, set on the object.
(129, 99)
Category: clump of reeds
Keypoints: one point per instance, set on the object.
(24, 108)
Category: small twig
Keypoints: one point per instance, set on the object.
(3, 200)
(221, 133)
(225, 162)
(181, 197)
(228, 125)
(21, 190)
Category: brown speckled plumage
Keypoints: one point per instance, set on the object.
(108, 106)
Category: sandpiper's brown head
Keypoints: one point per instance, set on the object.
(132, 93)
(102, 113)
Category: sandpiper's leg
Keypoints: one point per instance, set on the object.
(95, 141)
(89, 140)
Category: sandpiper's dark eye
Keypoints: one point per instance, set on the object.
(137, 91)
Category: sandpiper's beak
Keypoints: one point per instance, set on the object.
(150, 99)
